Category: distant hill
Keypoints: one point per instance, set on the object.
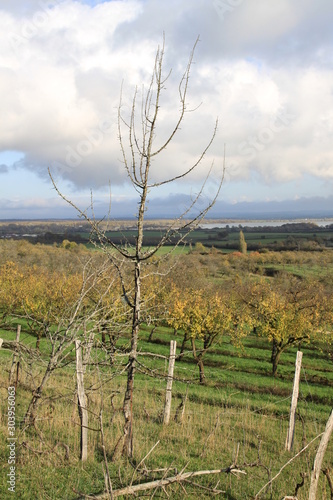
(174, 205)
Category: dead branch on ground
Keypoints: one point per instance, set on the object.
(161, 483)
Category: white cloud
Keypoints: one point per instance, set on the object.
(265, 69)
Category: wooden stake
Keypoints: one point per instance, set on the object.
(82, 402)
(294, 399)
(168, 395)
(319, 457)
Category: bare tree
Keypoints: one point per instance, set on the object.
(138, 154)
(73, 325)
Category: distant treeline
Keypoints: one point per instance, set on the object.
(289, 236)
(289, 227)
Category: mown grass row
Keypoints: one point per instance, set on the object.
(227, 367)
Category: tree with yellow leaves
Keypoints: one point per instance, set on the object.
(205, 317)
(46, 296)
(288, 311)
(73, 317)
(11, 281)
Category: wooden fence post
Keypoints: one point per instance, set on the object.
(82, 401)
(319, 457)
(168, 395)
(291, 428)
(15, 363)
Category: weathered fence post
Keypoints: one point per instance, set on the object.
(87, 350)
(294, 398)
(82, 401)
(15, 364)
(316, 469)
(168, 395)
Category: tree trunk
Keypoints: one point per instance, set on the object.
(31, 412)
(201, 370)
(127, 449)
(199, 362)
(15, 363)
(38, 341)
(275, 358)
(151, 333)
(182, 347)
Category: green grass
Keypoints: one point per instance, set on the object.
(260, 239)
(240, 407)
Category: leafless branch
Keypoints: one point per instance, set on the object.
(286, 464)
(160, 483)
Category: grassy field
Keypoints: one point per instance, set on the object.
(239, 416)
(240, 413)
(228, 240)
(288, 236)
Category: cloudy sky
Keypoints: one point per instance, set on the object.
(264, 68)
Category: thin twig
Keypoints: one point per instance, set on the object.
(144, 458)
(286, 464)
